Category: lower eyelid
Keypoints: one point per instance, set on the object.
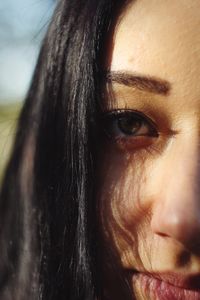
(133, 143)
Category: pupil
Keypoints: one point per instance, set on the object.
(129, 125)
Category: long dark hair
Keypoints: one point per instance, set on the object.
(48, 234)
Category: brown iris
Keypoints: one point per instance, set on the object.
(130, 125)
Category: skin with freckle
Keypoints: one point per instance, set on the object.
(149, 187)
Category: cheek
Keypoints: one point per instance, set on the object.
(122, 182)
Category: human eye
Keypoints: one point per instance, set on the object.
(129, 128)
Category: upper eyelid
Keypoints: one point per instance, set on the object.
(118, 112)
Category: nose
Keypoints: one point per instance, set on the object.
(176, 209)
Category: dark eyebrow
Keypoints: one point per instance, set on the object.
(144, 83)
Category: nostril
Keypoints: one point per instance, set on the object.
(162, 234)
(182, 229)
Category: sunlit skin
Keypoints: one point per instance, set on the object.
(149, 191)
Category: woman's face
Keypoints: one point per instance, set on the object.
(150, 173)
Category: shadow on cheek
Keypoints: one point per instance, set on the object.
(119, 214)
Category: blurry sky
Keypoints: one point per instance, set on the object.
(22, 26)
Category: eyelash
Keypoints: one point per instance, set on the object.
(114, 126)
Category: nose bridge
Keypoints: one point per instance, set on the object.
(185, 160)
(177, 212)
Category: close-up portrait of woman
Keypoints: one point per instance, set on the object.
(101, 196)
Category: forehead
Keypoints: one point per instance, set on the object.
(161, 39)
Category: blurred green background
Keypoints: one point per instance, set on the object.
(8, 118)
(23, 24)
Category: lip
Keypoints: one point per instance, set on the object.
(167, 286)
